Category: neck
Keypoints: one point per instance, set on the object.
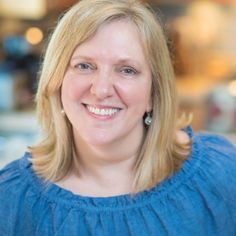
(104, 165)
(104, 178)
(104, 170)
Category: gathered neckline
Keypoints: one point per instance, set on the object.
(55, 194)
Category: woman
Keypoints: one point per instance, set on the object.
(114, 158)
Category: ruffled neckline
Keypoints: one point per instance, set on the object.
(55, 194)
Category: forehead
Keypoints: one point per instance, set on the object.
(116, 36)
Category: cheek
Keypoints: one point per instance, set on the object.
(136, 94)
(72, 89)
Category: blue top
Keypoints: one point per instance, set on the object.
(198, 200)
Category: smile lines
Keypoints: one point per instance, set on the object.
(102, 111)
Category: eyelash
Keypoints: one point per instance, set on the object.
(131, 70)
(88, 65)
(126, 70)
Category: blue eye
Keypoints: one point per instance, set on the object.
(128, 71)
(84, 66)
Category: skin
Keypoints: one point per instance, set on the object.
(105, 93)
(108, 72)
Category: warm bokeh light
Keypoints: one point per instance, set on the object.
(232, 88)
(34, 35)
(26, 9)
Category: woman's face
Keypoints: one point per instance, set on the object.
(107, 86)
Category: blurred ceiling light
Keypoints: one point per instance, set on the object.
(34, 35)
(232, 88)
(28, 9)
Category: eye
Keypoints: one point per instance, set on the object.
(128, 71)
(84, 66)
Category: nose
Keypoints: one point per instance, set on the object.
(102, 85)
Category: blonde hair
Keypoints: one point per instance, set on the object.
(160, 153)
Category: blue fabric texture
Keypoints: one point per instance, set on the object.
(200, 199)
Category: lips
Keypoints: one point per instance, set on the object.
(102, 111)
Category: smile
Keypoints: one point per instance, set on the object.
(102, 111)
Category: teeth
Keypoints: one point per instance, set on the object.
(103, 111)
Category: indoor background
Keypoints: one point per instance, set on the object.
(202, 42)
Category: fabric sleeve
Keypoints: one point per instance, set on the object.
(11, 184)
(220, 157)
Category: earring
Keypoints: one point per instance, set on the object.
(63, 112)
(148, 119)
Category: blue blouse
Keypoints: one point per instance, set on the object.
(198, 200)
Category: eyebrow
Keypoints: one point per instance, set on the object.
(128, 60)
(81, 57)
(120, 61)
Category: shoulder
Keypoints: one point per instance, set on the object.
(208, 180)
(15, 178)
(217, 148)
(14, 175)
(12, 172)
(13, 182)
(217, 164)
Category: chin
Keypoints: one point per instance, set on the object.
(100, 141)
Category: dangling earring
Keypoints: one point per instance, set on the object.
(148, 119)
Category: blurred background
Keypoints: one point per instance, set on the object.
(202, 41)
